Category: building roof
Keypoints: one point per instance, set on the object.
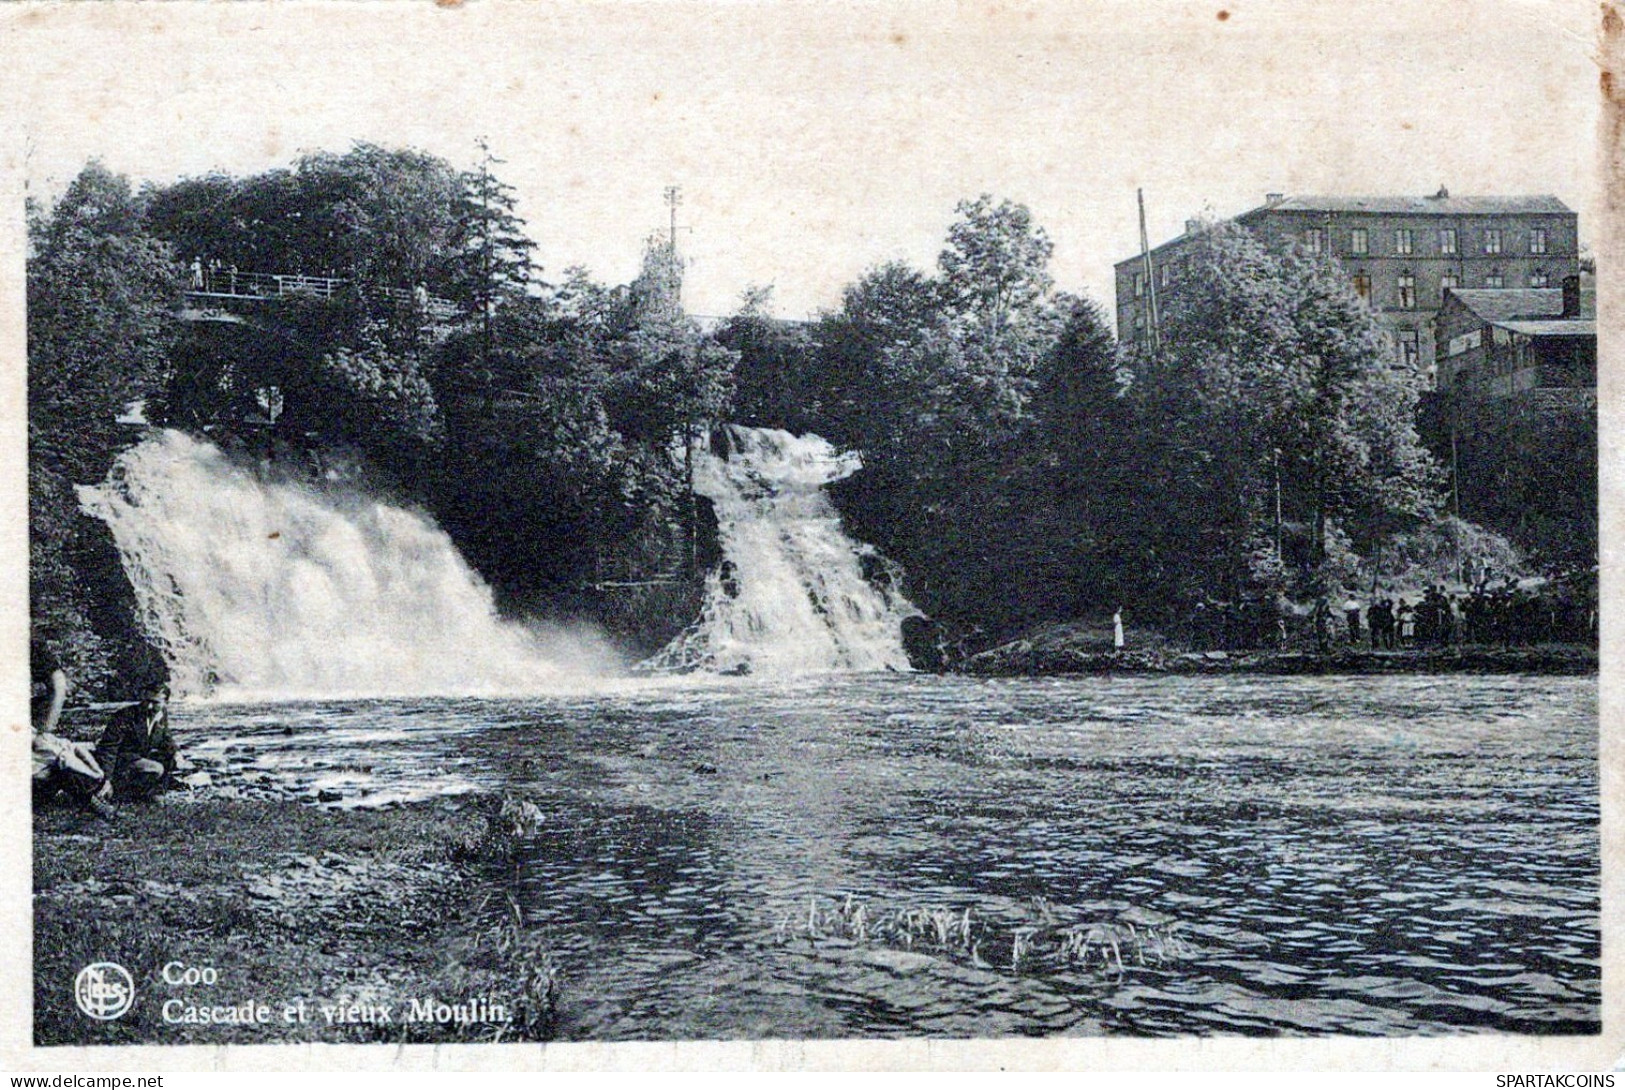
(1497, 305)
(1436, 205)
(1554, 327)
(1419, 206)
(1535, 312)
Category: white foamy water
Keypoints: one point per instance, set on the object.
(792, 594)
(257, 588)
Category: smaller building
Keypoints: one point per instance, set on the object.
(1533, 344)
(1515, 415)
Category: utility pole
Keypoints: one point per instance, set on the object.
(673, 272)
(674, 197)
(1150, 277)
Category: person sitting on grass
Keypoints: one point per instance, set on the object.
(60, 767)
(137, 750)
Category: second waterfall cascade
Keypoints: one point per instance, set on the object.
(793, 594)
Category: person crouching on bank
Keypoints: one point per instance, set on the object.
(61, 767)
(137, 750)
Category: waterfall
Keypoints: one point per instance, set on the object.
(793, 594)
(258, 588)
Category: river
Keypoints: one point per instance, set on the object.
(890, 855)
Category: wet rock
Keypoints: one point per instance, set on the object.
(898, 961)
(925, 642)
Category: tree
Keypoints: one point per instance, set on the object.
(996, 263)
(657, 293)
(849, 378)
(775, 382)
(1087, 432)
(377, 399)
(891, 303)
(933, 379)
(490, 261)
(568, 423)
(384, 217)
(102, 301)
(381, 217)
(1274, 380)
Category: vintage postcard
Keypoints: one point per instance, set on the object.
(827, 534)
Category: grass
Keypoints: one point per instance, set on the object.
(1046, 943)
(289, 902)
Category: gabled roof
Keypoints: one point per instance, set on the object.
(1419, 206)
(1495, 305)
(1554, 327)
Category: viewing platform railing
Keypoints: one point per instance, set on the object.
(231, 284)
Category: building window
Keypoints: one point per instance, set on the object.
(1407, 291)
(1410, 350)
(1314, 240)
(1539, 279)
(1167, 274)
(1449, 280)
(1139, 285)
(1495, 280)
(1537, 240)
(1362, 285)
(1404, 241)
(1492, 241)
(1447, 240)
(1359, 242)
(1139, 327)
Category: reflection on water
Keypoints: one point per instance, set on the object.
(1305, 855)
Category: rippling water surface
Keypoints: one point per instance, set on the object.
(906, 855)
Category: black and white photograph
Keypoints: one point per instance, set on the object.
(837, 525)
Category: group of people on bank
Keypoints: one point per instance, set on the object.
(1506, 613)
(134, 759)
(1509, 614)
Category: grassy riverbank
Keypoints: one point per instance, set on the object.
(354, 911)
(1079, 649)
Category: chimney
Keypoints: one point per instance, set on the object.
(1442, 194)
(1273, 199)
(1571, 297)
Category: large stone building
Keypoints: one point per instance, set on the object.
(1401, 253)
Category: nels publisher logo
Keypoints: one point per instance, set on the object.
(103, 990)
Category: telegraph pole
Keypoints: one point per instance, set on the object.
(674, 197)
(1150, 278)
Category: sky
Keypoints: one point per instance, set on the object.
(812, 141)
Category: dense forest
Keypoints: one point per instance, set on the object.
(1020, 464)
